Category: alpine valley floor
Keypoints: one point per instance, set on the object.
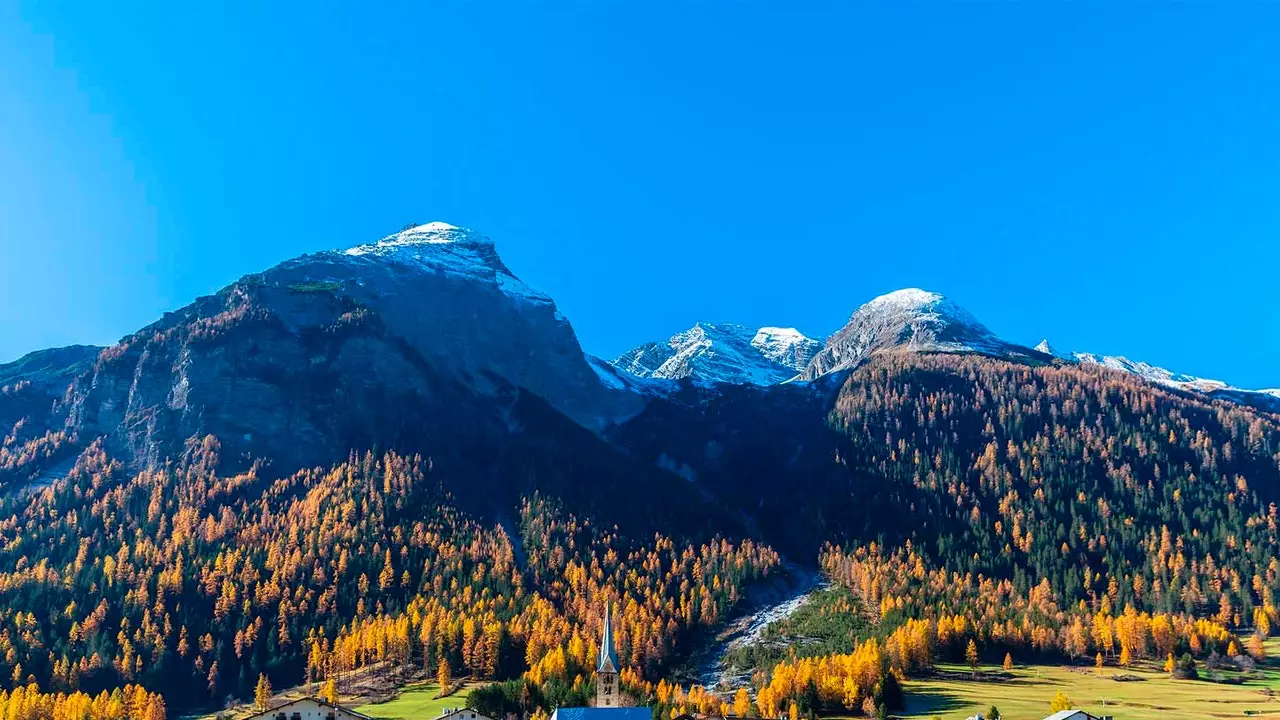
(1027, 694)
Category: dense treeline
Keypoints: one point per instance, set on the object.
(1054, 510)
(182, 580)
(929, 613)
(1087, 482)
(1057, 511)
(129, 703)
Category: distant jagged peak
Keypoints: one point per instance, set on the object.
(722, 353)
(1045, 347)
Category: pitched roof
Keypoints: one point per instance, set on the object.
(466, 712)
(1071, 715)
(321, 702)
(592, 713)
(608, 660)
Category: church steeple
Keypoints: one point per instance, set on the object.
(607, 664)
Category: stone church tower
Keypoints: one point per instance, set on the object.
(608, 693)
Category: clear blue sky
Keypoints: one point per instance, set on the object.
(1108, 177)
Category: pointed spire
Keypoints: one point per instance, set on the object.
(608, 661)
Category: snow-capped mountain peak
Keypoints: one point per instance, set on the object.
(722, 353)
(449, 250)
(921, 302)
(785, 346)
(432, 233)
(447, 292)
(910, 319)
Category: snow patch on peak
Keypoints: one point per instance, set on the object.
(722, 353)
(439, 247)
(913, 320)
(432, 233)
(1150, 372)
(1264, 399)
(924, 303)
(435, 226)
(1045, 347)
(781, 334)
(907, 298)
(785, 346)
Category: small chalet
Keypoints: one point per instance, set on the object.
(1074, 715)
(309, 708)
(463, 714)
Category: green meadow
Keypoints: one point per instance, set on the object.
(1155, 695)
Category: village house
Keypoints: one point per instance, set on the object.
(463, 714)
(1075, 715)
(308, 708)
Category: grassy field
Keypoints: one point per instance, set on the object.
(417, 701)
(1026, 696)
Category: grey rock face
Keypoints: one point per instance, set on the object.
(32, 387)
(384, 344)
(271, 371)
(644, 360)
(446, 293)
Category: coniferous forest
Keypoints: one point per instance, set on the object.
(280, 485)
(1060, 512)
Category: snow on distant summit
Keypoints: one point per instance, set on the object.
(1046, 348)
(1265, 399)
(433, 233)
(785, 346)
(910, 319)
(1149, 372)
(449, 250)
(722, 353)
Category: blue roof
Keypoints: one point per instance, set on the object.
(590, 713)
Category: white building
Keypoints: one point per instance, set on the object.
(308, 709)
(463, 714)
(1072, 715)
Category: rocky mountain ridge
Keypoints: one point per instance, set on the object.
(426, 334)
(722, 353)
(908, 320)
